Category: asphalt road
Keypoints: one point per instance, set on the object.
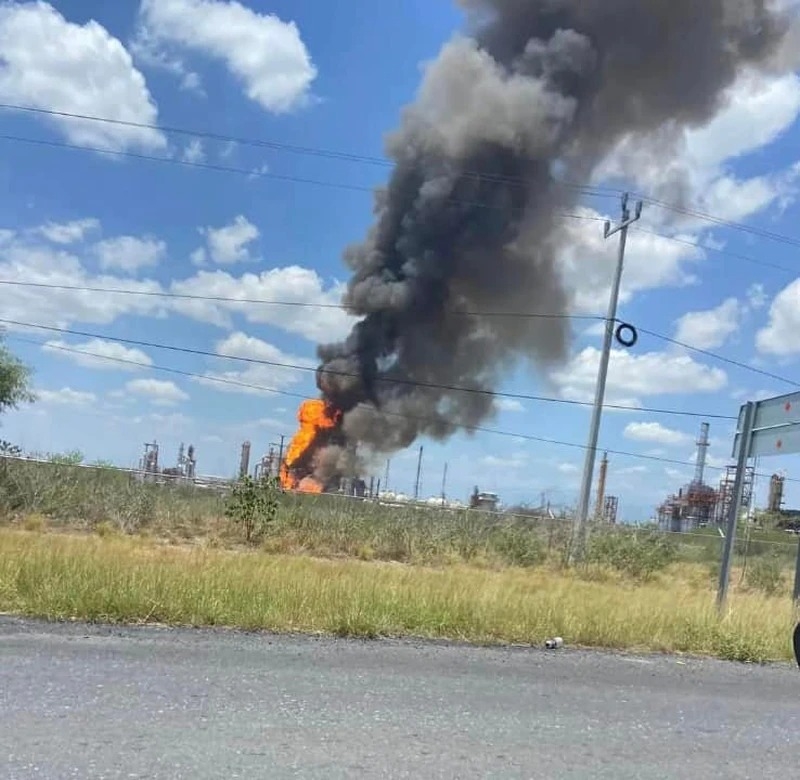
(88, 702)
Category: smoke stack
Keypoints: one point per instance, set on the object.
(469, 225)
(702, 451)
(244, 461)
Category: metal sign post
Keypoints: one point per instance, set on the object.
(765, 428)
(746, 417)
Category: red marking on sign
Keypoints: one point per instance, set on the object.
(779, 444)
(788, 406)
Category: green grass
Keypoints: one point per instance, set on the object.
(97, 545)
(118, 578)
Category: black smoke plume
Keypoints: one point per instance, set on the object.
(468, 227)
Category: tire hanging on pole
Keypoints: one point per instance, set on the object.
(626, 335)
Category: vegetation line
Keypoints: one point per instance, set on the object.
(130, 580)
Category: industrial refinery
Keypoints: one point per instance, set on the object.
(695, 505)
(699, 504)
(184, 469)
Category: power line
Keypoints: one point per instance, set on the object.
(360, 188)
(264, 302)
(253, 173)
(716, 356)
(718, 250)
(311, 304)
(586, 189)
(466, 428)
(697, 214)
(291, 148)
(406, 382)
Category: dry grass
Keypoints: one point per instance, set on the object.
(121, 578)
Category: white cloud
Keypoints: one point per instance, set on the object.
(757, 109)
(266, 54)
(632, 376)
(516, 460)
(194, 152)
(568, 468)
(318, 317)
(151, 53)
(756, 296)
(229, 244)
(259, 376)
(158, 391)
(587, 262)
(631, 470)
(100, 354)
(66, 397)
(779, 336)
(129, 253)
(654, 432)
(508, 405)
(711, 328)
(68, 232)
(24, 260)
(713, 462)
(53, 64)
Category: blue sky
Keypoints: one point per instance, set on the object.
(294, 74)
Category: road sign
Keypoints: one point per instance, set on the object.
(781, 410)
(782, 440)
(768, 427)
(776, 427)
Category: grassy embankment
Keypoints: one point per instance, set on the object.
(352, 569)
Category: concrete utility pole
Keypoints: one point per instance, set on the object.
(419, 475)
(602, 375)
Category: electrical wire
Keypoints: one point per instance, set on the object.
(311, 304)
(701, 215)
(292, 148)
(361, 188)
(718, 250)
(256, 174)
(402, 415)
(298, 304)
(716, 356)
(352, 375)
(586, 189)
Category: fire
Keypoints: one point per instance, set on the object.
(314, 416)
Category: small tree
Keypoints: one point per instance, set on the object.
(71, 458)
(253, 504)
(15, 379)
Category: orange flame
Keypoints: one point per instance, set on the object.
(313, 416)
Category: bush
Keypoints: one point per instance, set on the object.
(639, 555)
(765, 574)
(519, 546)
(253, 504)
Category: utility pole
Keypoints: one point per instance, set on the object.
(602, 374)
(444, 485)
(419, 474)
(280, 454)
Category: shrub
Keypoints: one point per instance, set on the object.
(639, 555)
(253, 504)
(519, 546)
(765, 574)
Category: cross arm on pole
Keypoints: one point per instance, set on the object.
(627, 219)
